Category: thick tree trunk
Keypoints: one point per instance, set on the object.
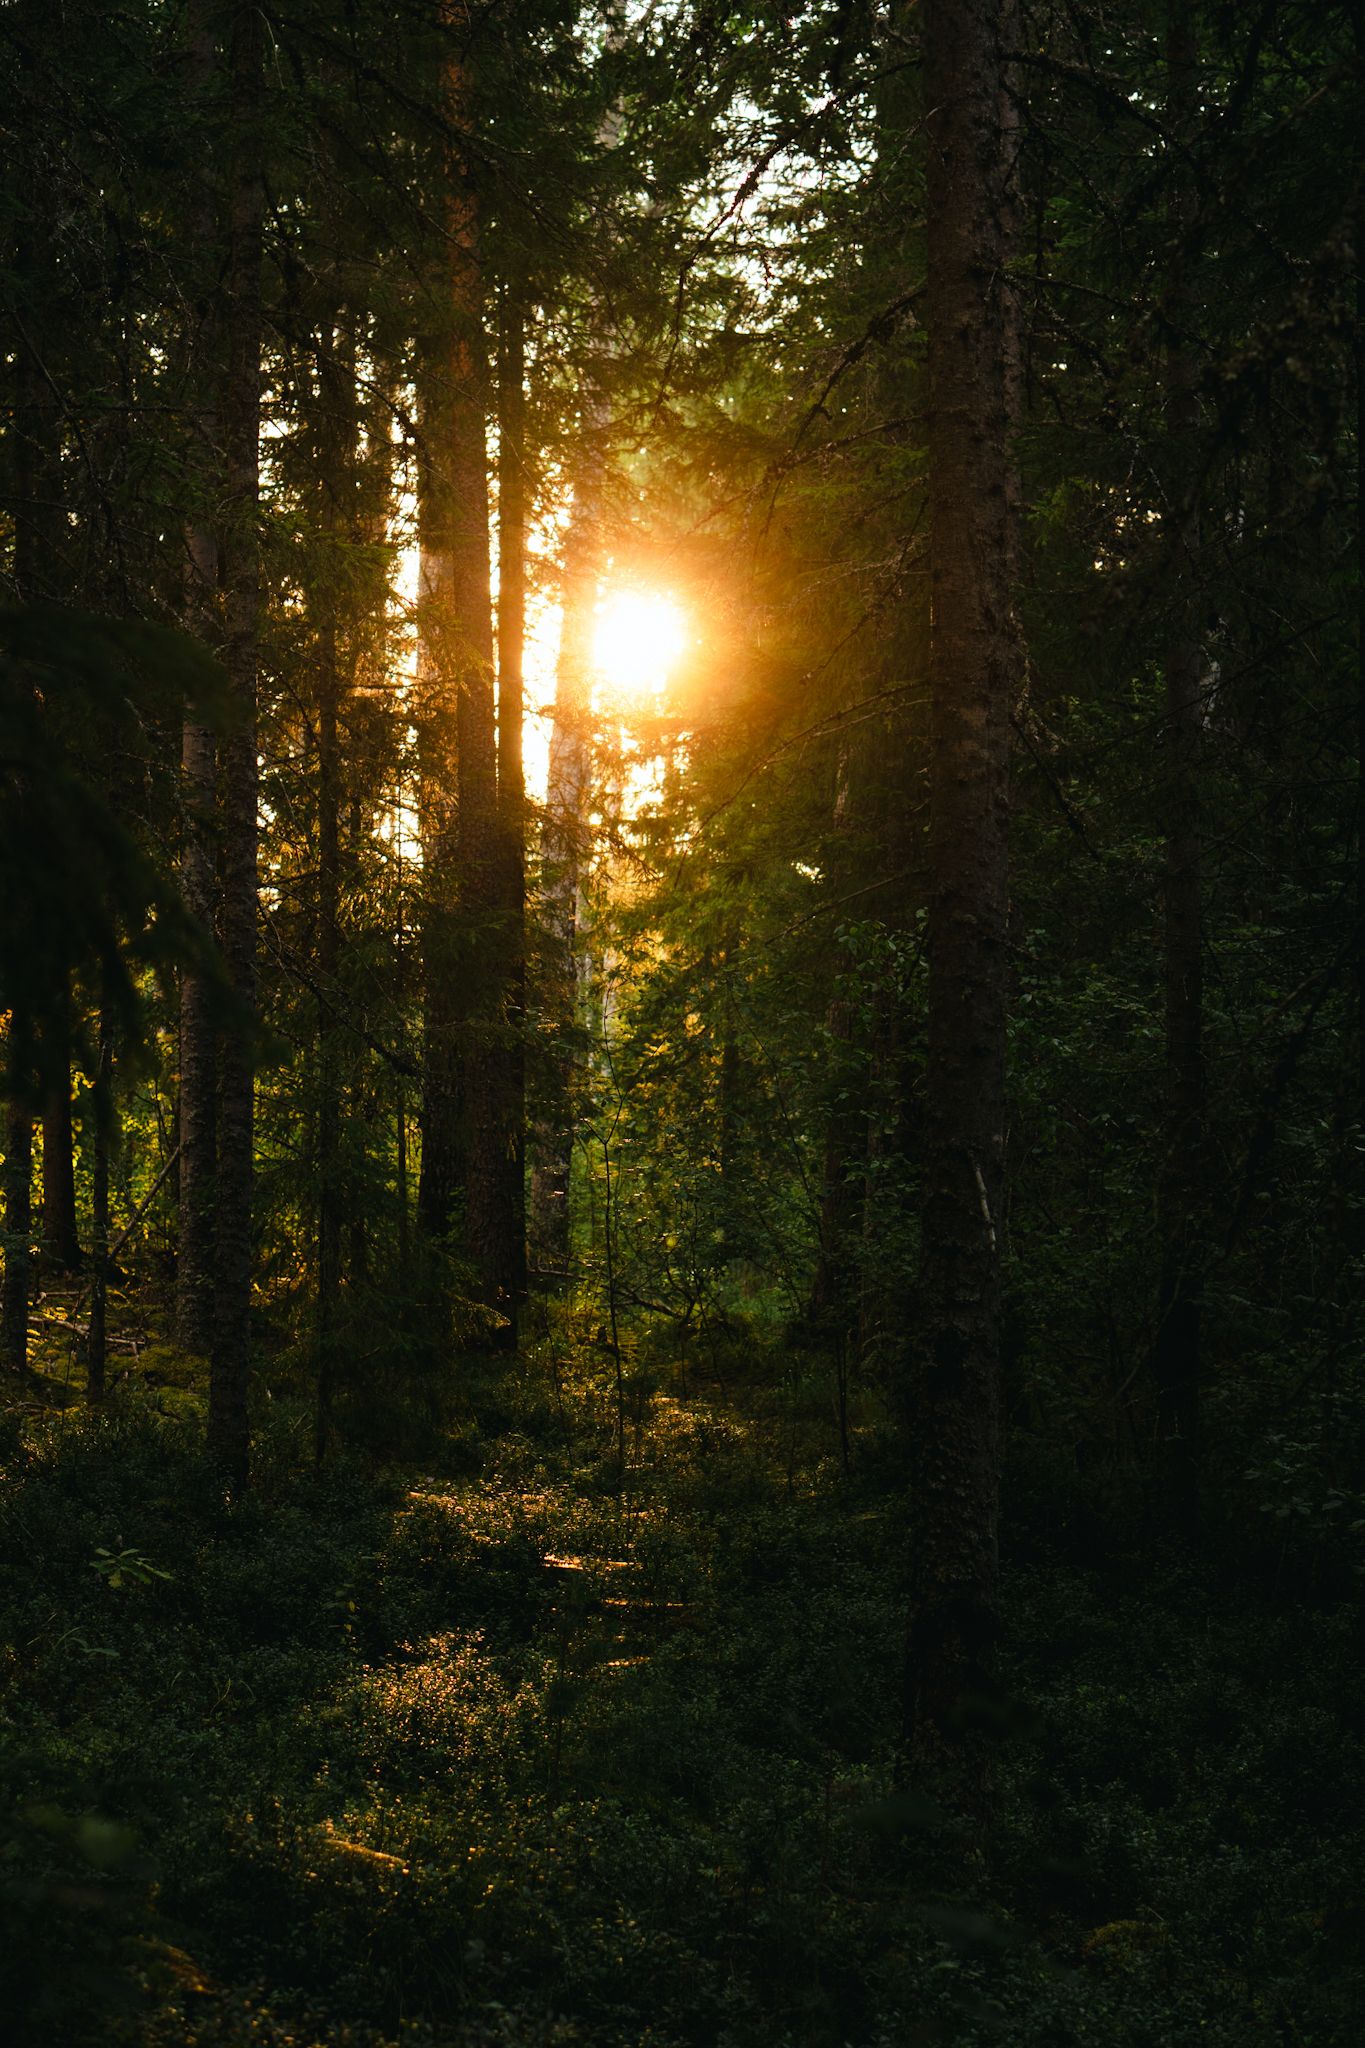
(955, 1405)
(240, 414)
(1181, 1191)
(465, 1139)
(61, 1244)
(458, 753)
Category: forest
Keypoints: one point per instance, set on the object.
(682, 1024)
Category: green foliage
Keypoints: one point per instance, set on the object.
(96, 904)
(560, 1706)
(125, 1568)
(509, 1758)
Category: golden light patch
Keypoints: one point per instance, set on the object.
(639, 640)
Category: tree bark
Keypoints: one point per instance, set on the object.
(831, 1312)
(337, 479)
(458, 754)
(61, 1244)
(441, 1167)
(509, 1218)
(1358, 380)
(14, 1297)
(561, 850)
(974, 661)
(481, 990)
(96, 1341)
(330, 1216)
(230, 1357)
(37, 558)
(1176, 1359)
(198, 1109)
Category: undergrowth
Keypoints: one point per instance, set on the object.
(506, 1751)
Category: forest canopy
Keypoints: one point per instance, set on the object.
(682, 1013)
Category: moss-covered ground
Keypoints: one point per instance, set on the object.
(490, 1748)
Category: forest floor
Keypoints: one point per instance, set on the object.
(489, 1748)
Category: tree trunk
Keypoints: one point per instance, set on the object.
(329, 1080)
(1358, 378)
(61, 1244)
(18, 1221)
(510, 1219)
(198, 1109)
(1358, 366)
(831, 1313)
(198, 1112)
(37, 555)
(240, 414)
(561, 849)
(457, 754)
(97, 1332)
(1180, 1196)
(482, 984)
(441, 1170)
(337, 479)
(974, 665)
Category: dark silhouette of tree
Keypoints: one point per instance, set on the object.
(954, 1414)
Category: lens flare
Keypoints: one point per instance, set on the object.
(638, 642)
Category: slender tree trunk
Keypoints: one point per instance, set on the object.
(61, 1244)
(561, 849)
(1181, 1189)
(358, 1251)
(511, 1219)
(96, 1346)
(230, 1356)
(198, 1108)
(37, 579)
(338, 481)
(1356, 1228)
(441, 1171)
(832, 1293)
(400, 1091)
(329, 1081)
(552, 1132)
(729, 1081)
(483, 941)
(955, 1405)
(18, 1219)
(400, 1110)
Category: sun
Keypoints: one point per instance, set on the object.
(638, 641)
